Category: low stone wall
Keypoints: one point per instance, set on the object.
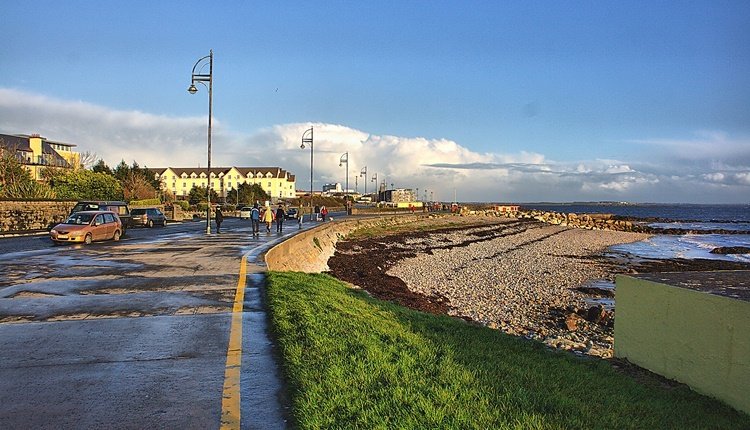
(18, 216)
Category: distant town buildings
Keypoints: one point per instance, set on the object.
(275, 181)
(37, 153)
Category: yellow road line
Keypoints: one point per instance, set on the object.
(230, 400)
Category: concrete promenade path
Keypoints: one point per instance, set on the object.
(168, 332)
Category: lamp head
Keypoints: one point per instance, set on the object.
(339, 164)
(302, 146)
(192, 89)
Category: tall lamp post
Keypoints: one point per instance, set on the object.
(345, 159)
(310, 141)
(363, 173)
(203, 78)
(377, 185)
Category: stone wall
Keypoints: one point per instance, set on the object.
(23, 216)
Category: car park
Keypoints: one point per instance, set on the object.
(245, 212)
(147, 217)
(291, 213)
(118, 207)
(88, 226)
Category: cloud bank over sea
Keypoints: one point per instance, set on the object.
(706, 167)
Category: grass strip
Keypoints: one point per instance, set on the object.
(352, 361)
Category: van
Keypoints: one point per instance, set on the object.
(120, 208)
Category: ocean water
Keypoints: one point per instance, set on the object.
(686, 216)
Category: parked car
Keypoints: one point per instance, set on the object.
(88, 226)
(147, 217)
(245, 212)
(120, 208)
(291, 213)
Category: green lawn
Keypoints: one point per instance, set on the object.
(352, 361)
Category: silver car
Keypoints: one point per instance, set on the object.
(147, 217)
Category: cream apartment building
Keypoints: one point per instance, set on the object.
(275, 181)
(36, 153)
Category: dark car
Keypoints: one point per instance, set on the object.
(147, 217)
(118, 207)
(291, 213)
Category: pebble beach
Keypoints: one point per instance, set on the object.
(522, 280)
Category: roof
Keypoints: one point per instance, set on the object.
(21, 143)
(276, 172)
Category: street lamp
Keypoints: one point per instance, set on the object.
(203, 78)
(377, 193)
(310, 141)
(363, 173)
(345, 159)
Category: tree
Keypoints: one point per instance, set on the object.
(101, 167)
(86, 185)
(198, 195)
(248, 193)
(28, 190)
(11, 170)
(86, 160)
(136, 187)
(121, 171)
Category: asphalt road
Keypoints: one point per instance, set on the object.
(135, 334)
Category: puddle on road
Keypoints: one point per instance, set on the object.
(32, 295)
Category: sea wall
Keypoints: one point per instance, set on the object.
(691, 336)
(310, 250)
(21, 216)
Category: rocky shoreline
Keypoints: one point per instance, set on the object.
(521, 276)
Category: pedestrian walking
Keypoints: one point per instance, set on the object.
(255, 219)
(323, 212)
(219, 219)
(299, 217)
(279, 218)
(317, 213)
(268, 218)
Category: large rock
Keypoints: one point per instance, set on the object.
(731, 250)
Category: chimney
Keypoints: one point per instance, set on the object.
(35, 143)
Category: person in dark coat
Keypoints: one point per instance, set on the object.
(219, 219)
(279, 217)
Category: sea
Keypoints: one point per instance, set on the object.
(696, 217)
(735, 218)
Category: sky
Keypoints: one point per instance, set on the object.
(512, 101)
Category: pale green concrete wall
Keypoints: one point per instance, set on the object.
(697, 338)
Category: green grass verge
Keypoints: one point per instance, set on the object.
(352, 361)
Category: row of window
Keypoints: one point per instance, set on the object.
(228, 185)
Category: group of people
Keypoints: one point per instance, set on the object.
(320, 211)
(268, 216)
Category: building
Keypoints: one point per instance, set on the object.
(400, 197)
(36, 153)
(330, 189)
(275, 181)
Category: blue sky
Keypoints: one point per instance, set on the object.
(522, 101)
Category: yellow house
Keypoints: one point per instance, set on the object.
(36, 153)
(275, 181)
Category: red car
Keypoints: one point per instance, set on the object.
(88, 226)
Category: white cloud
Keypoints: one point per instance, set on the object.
(438, 165)
(706, 146)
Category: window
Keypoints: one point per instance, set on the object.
(99, 219)
(109, 218)
(269, 185)
(184, 184)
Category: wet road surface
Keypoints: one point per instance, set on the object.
(135, 334)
